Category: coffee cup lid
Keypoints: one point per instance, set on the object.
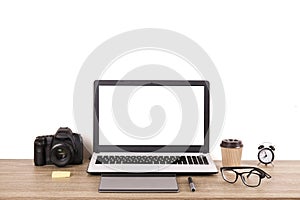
(231, 143)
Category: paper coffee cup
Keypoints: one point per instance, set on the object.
(231, 152)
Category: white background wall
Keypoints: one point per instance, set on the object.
(255, 46)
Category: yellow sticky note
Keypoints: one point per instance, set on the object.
(61, 174)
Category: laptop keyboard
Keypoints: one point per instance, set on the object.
(184, 160)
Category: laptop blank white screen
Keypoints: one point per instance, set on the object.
(138, 106)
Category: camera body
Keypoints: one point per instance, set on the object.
(61, 149)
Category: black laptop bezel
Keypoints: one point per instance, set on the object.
(150, 148)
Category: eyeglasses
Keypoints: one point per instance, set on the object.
(251, 176)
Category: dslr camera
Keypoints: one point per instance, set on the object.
(61, 149)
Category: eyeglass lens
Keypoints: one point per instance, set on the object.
(251, 179)
(229, 176)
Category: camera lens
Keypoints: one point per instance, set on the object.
(61, 154)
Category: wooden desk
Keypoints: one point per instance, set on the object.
(20, 179)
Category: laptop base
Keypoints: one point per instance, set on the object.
(138, 183)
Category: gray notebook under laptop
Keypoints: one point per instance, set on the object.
(151, 126)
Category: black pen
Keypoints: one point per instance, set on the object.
(192, 185)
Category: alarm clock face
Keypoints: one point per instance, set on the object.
(265, 156)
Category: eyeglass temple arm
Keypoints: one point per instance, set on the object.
(268, 176)
(265, 174)
(250, 173)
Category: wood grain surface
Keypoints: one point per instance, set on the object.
(20, 179)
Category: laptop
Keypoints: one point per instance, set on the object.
(151, 126)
